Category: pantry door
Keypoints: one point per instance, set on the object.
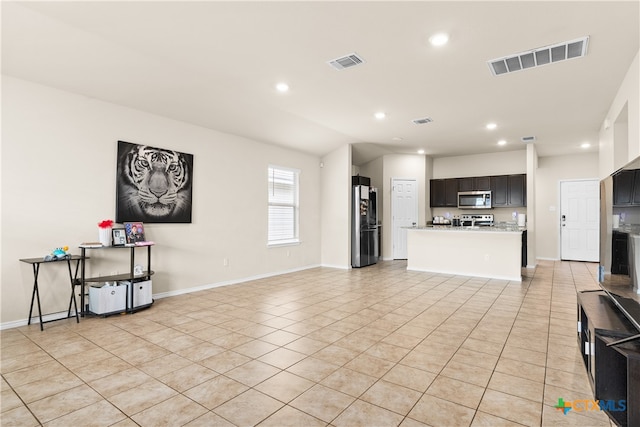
(580, 220)
(404, 213)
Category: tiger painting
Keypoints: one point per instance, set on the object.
(154, 184)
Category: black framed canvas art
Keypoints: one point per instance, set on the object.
(154, 185)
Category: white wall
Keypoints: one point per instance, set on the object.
(336, 208)
(58, 181)
(504, 163)
(627, 101)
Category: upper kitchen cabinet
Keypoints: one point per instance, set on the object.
(444, 192)
(626, 188)
(509, 190)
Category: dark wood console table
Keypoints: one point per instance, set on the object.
(73, 279)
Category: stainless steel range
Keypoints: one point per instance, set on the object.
(476, 219)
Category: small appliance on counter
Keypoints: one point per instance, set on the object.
(485, 220)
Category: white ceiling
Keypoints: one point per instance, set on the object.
(215, 64)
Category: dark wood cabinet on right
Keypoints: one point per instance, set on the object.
(507, 190)
(626, 188)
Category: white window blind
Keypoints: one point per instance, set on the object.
(283, 205)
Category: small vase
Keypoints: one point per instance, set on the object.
(104, 234)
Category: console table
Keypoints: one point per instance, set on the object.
(73, 279)
(129, 276)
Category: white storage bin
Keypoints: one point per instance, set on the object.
(107, 299)
(142, 293)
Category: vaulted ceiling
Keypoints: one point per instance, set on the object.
(215, 64)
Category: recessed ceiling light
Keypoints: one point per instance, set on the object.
(491, 126)
(585, 145)
(502, 142)
(420, 151)
(282, 87)
(439, 39)
(396, 138)
(380, 115)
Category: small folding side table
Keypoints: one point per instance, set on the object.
(73, 279)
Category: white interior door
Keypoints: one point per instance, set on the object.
(404, 213)
(580, 220)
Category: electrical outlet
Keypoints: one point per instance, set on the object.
(225, 262)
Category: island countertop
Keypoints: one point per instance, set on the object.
(491, 252)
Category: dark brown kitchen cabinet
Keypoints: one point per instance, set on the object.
(623, 188)
(451, 192)
(436, 187)
(444, 192)
(508, 191)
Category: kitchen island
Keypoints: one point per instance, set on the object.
(491, 252)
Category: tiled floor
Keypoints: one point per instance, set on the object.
(377, 346)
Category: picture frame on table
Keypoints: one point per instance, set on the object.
(119, 236)
(134, 232)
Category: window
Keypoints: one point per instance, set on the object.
(283, 205)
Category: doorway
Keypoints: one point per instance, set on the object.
(404, 213)
(580, 220)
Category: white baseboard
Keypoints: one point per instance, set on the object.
(35, 320)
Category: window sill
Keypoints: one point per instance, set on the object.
(293, 242)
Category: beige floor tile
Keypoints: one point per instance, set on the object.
(210, 419)
(467, 373)
(63, 403)
(175, 411)
(313, 369)
(164, 365)
(512, 408)
(35, 373)
(291, 417)
(365, 414)
(460, 392)
(389, 352)
(101, 413)
(200, 351)
(225, 361)
(392, 397)
(370, 365)
(249, 408)
(528, 355)
(306, 345)
(141, 397)
(521, 369)
(49, 386)
(336, 354)
(348, 381)
(468, 357)
(322, 402)
(102, 368)
(438, 412)
(406, 376)
(517, 386)
(282, 358)
(215, 392)
(252, 373)
(284, 386)
(190, 376)
(18, 417)
(255, 348)
(482, 419)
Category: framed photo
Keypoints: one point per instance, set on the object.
(119, 236)
(134, 232)
(153, 185)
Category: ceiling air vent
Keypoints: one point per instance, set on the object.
(538, 57)
(422, 121)
(528, 139)
(347, 61)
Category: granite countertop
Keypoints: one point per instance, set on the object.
(502, 228)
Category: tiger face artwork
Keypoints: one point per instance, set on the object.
(154, 184)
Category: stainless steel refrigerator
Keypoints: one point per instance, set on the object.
(364, 224)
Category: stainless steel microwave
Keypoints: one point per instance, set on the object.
(474, 200)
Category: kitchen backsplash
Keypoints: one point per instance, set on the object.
(499, 214)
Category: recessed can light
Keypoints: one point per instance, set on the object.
(491, 126)
(439, 39)
(282, 87)
(502, 142)
(585, 145)
(396, 138)
(420, 151)
(380, 115)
